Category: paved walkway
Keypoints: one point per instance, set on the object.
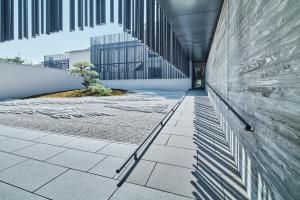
(189, 159)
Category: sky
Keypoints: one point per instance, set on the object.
(34, 49)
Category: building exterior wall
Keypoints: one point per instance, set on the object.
(149, 84)
(254, 63)
(78, 56)
(19, 81)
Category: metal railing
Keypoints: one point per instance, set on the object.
(247, 125)
(160, 125)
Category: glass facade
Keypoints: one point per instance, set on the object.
(121, 56)
(58, 61)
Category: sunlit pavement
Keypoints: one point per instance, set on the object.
(189, 159)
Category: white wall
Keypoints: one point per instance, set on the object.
(78, 56)
(149, 84)
(18, 81)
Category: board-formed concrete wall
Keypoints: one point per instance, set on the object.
(254, 63)
(150, 84)
(19, 81)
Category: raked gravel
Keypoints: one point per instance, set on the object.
(128, 118)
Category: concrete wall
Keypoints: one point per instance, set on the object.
(78, 56)
(18, 81)
(254, 63)
(149, 84)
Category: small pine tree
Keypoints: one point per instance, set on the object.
(83, 69)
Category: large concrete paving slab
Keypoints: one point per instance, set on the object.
(30, 175)
(40, 151)
(118, 150)
(138, 173)
(193, 183)
(86, 144)
(8, 160)
(12, 144)
(161, 139)
(134, 192)
(55, 139)
(8, 192)
(74, 185)
(108, 166)
(171, 155)
(75, 159)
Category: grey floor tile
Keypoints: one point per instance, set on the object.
(55, 139)
(8, 160)
(172, 122)
(8, 192)
(30, 175)
(108, 166)
(140, 173)
(86, 144)
(186, 123)
(171, 155)
(77, 159)
(193, 183)
(161, 139)
(134, 192)
(14, 144)
(3, 138)
(182, 141)
(9, 131)
(40, 151)
(118, 150)
(179, 131)
(30, 135)
(74, 185)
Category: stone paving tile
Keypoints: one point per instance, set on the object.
(193, 183)
(161, 139)
(185, 124)
(8, 192)
(14, 144)
(74, 185)
(2, 138)
(108, 166)
(7, 160)
(179, 131)
(182, 142)
(40, 151)
(171, 155)
(172, 122)
(31, 174)
(135, 192)
(140, 173)
(118, 150)
(30, 135)
(56, 139)
(86, 144)
(77, 159)
(10, 131)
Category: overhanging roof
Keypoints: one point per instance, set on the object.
(194, 22)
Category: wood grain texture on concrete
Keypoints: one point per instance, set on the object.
(254, 63)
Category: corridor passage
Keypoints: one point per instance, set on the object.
(190, 157)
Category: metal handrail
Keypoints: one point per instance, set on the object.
(161, 124)
(247, 125)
